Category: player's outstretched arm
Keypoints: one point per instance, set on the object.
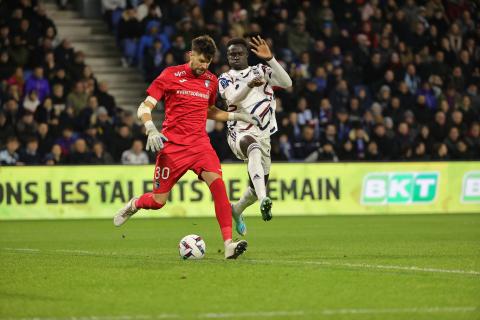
(280, 77)
(218, 115)
(155, 138)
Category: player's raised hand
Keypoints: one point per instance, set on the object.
(155, 140)
(256, 82)
(260, 48)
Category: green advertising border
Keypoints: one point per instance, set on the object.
(64, 192)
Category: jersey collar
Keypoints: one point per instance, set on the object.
(242, 72)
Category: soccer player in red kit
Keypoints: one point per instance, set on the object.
(190, 92)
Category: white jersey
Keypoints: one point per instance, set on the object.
(259, 100)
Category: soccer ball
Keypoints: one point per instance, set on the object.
(192, 247)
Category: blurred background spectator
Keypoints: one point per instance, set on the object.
(373, 81)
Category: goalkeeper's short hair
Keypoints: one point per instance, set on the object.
(204, 45)
(240, 41)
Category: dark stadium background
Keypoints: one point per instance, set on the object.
(373, 81)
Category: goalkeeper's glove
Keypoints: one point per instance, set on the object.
(155, 138)
(249, 118)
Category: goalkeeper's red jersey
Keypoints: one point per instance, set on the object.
(187, 98)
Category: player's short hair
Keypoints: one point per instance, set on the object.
(204, 45)
(239, 41)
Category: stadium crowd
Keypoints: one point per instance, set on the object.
(52, 109)
(373, 80)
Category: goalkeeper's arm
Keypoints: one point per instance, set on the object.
(155, 138)
(219, 115)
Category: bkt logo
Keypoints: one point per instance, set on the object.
(399, 188)
(471, 187)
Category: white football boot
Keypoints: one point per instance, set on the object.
(235, 249)
(125, 213)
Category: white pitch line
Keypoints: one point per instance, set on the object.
(321, 263)
(400, 310)
(267, 314)
(119, 317)
(22, 249)
(370, 266)
(253, 314)
(75, 251)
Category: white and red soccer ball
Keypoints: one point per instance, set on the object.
(192, 247)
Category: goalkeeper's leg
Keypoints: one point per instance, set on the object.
(166, 174)
(223, 212)
(149, 201)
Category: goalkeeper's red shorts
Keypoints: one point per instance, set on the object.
(174, 160)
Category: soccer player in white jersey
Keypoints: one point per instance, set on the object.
(249, 90)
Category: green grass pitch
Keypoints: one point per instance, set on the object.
(331, 267)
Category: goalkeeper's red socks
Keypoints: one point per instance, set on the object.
(147, 201)
(223, 210)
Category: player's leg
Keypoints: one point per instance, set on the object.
(266, 204)
(248, 197)
(166, 175)
(223, 213)
(207, 167)
(253, 150)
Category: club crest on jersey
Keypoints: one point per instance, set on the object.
(223, 83)
(207, 83)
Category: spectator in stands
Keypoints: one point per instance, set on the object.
(6, 129)
(64, 53)
(360, 140)
(30, 154)
(17, 80)
(47, 113)
(154, 60)
(109, 6)
(77, 99)
(298, 38)
(67, 139)
(31, 101)
(19, 52)
(121, 141)
(144, 8)
(61, 78)
(99, 155)
(55, 156)
(378, 68)
(105, 99)
(76, 67)
(39, 83)
(441, 152)
(44, 138)
(79, 153)
(9, 156)
(59, 99)
(307, 144)
(136, 154)
(11, 110)
(129, 30)
(26, 127)
(84, 118)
